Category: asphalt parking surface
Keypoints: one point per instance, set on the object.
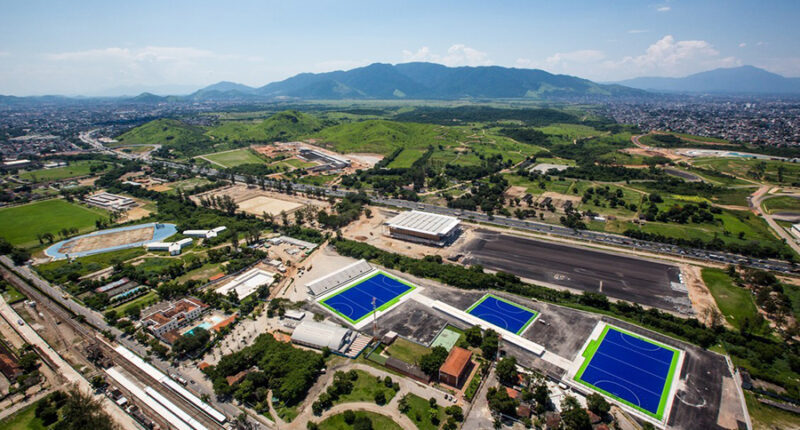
(636, 280)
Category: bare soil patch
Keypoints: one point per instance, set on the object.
(107, 240)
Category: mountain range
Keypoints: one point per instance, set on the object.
(735, 80)
(420, 81)
(434, 81)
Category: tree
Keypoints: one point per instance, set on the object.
(507, 371)
(474, 336)
(490, 344)
(573, 415)
(500, 402)
(456, 412)
(82, 411)
(349, 417)
(362, 422)
(431, 362)
(380, 398)
(598, 404)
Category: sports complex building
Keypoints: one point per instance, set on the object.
(424, 227)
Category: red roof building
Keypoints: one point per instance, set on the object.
(456, 367)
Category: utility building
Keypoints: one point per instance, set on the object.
(424, 227)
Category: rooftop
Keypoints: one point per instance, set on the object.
(424, 222)
(456, 361)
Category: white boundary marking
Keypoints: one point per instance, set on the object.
(569, 378)
(367, 321)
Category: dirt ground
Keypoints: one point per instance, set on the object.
(560, 199)
(260, 204)
(254, 200)
(159, 187)
(653, 153)
(702, 301)
(516, 191)
(371, 231)
(366, 159)
(107, 240)
(135, 214)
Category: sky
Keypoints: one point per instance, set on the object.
(90, 47)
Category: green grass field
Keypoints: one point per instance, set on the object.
(73, 170)
(734, 302)
(747, 168)
(234, 158)
(141, 302)
(23, 420)
(11, 295)
(418, 412)
(766, 417)
(782, 204)
(407, 351)
(20, 224)
(381, 422)
(365, 388)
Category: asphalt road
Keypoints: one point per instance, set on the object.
(640, 281)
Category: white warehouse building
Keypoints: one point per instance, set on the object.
(174, 248)
(320, 335)
(424, 227)
(205, 234)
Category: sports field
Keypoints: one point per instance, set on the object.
(75, 169)
(503, 313)
(234, 158)
(260, 204)
(354, 303)
(631, 369)
(20, 224)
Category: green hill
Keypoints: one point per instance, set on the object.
(281, 126)
(163, 132)
(380, 136)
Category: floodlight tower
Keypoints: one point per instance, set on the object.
(374, 319)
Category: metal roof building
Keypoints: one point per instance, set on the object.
(340, 277)
(423, 227)
(319, 335)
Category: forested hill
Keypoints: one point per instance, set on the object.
(428, 81)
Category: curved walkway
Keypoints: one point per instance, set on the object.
(390, 409)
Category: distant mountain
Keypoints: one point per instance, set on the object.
(743, 80)
(423, 81)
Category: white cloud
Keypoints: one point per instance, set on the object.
(637, 31)
(742, 45)
(664, 9)
(562, 61)
(5, 54)
(457, 55)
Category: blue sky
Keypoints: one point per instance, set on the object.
(104, 47)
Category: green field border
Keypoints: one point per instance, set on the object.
(516, 305)
(383, 307)
(591, 349)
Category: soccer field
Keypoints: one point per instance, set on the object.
(20, 224)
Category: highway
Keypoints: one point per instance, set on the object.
(616, 240)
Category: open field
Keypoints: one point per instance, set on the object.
(766, 417)
(627, 278)
(233, 158)
(73, 170)
(20, 224)
(407, 351)
(23, 420)
(782, 204)
(749, 168)
(735, 303)
(256, 201)
(365, 388)
(58, 271)
(123, 237)
(418, 411)
(337, 422)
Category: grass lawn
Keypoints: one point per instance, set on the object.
(381, 422)
(767, 418)
(287, 413)
(782, 204)
(419, 412)
(73, 170)
(734, 302)
(407, 351)
(317, 180)
(20, 224)
(142, 302)
(365, 388)
(23, 420)
(58, 271)
(300, 164)
(11, 295)
(745, 168)
(201, 273)
(158, 265)
(235, 157)
(187, 184)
